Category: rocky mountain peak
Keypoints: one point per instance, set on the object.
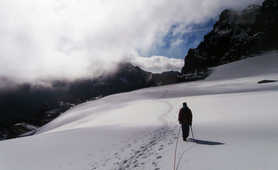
(270, 5)
(236, 35)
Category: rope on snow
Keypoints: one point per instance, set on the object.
(175, 155)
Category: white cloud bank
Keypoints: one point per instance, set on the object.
(157, 64)
(42, 39)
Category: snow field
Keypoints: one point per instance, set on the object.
(138, 130)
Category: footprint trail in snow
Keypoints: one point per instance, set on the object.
(142, 153)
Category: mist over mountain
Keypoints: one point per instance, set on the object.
(58, 39)
(37, 104)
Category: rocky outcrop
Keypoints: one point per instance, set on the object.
(236, 35)
(169, 77)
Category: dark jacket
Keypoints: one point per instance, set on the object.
(185, 116)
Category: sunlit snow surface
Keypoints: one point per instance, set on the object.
(138, 130)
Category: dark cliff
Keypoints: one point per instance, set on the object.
(236, 35)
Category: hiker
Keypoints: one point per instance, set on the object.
(185, 119)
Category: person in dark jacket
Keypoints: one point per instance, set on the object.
(185, 119)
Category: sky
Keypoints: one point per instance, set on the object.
(72, 39)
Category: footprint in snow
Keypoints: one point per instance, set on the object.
(158, 157)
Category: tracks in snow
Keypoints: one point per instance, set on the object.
(142, 153)
(146, 151)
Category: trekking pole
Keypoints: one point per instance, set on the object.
(176, 148)
(192, 132)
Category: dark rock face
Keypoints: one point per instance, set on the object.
(165, 78)
(26, 106)
(236, 35)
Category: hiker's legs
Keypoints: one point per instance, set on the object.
(185, 131)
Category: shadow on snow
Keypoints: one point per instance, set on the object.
(204, 142)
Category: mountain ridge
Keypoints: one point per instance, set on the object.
(236, 35)
(35, 105)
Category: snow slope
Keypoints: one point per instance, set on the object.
(235, 120)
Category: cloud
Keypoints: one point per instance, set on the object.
(157, 64)
(71, 38)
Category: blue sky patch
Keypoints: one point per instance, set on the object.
(177, 42)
